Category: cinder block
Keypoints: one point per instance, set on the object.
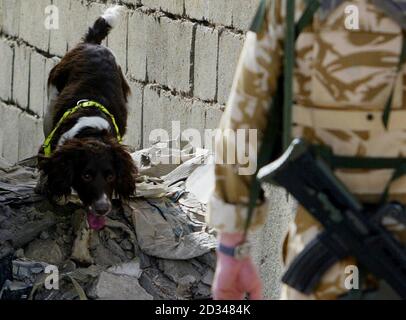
(32, 23)
(214, 11)
(169, 45)
(172, 6)
(161, 108)
(21, 75)
(6, 69)
(180, 38)
(75, 17)
(79, 22)
(205, 63)
(229, 53)
(11, 17)
(213, 116)
(157, 49)
(37, 83)
(133, 136)
(243, 13)
(117, 41)
(9, 125)
(137, 45)
(59, 37)
(30, 136)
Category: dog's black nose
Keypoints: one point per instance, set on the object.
(102, 206)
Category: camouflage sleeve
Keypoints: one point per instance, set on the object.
(254, 85)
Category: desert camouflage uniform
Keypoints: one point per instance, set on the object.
(342, 81)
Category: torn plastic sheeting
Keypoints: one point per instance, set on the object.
(166, 232)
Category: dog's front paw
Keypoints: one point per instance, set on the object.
(80, 250)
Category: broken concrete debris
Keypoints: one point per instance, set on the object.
(111, 286)
(156, 246)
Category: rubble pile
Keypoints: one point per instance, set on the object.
(157, 246)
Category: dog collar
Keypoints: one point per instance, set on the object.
(79, 105)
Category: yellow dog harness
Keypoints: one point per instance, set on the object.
(80, 104)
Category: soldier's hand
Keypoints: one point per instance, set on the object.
(234, 278)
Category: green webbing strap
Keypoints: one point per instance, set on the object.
(307, 17)
(342, 162)
(275, 113)
(259, 18)
(289, 62)
(292, 33)
(388, 106)
(81, 104)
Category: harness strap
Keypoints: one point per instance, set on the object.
(289, 61)
(346, 162)
(80, 104)
(337, 119)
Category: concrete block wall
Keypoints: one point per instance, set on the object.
(178, 55)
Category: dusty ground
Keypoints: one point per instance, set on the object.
(34, 234)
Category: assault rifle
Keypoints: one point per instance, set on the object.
(350, 228)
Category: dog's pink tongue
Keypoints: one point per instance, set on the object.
(95, 222)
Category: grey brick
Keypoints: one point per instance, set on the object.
(171, 6)
(32, 23)
(214, 11)
(11, 17)
(79, 21)
(21, 75)
(229, 52)
(137, 45)
(6, 69)
(9, 125)
(161, 108)
(169, 44)
(37, 83)
(213, 116)
(133, 136)
(205, 63)
(157, 49)
(30, 136)
(59, 37)
(180, 37)
(243, 13)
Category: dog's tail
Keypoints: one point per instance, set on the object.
(101, 28)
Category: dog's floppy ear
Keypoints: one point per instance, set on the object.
(126, 172)
(58, 172)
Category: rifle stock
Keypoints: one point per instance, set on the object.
(348, 229)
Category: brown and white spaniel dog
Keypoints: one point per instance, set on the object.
(86, 154)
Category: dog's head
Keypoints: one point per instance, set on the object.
(95, 169)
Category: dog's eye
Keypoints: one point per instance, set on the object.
(110, 177)
(87, 177)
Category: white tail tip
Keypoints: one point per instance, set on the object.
(112, 15)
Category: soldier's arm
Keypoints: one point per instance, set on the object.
(254, 86)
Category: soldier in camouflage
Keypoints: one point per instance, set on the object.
(343, 77)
